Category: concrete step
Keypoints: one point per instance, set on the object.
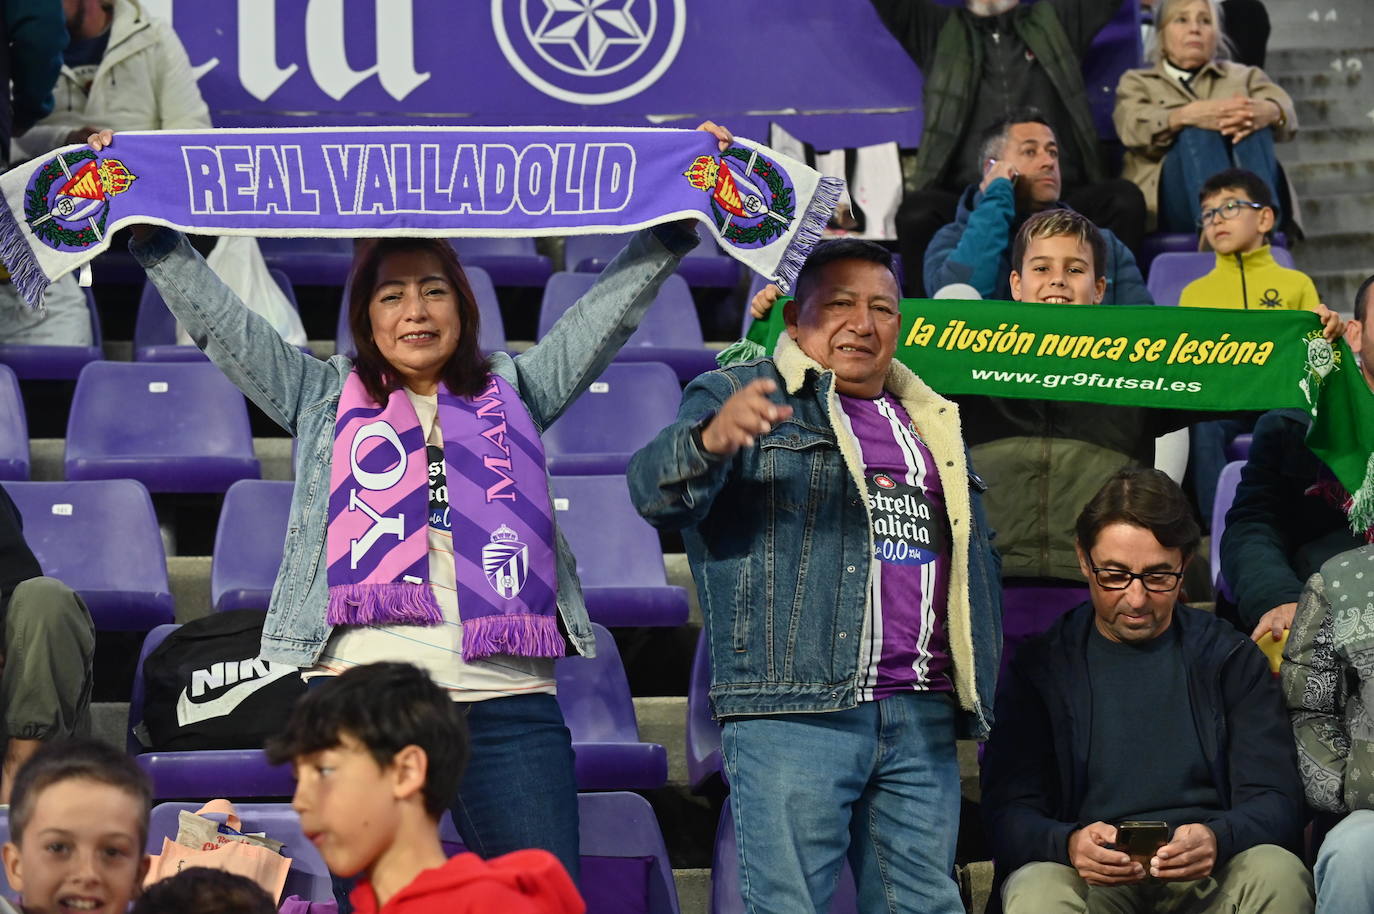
(1327, 144)
(1334, 110)
(1335, 58)
(45, 458)
(1322, 83)
(1333, 177)
(693, 890)
(1325, 23)
(1329, 251)
(1350, 210)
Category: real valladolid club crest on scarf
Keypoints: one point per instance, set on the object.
(506, 562)
(67, 204)
(751, 197)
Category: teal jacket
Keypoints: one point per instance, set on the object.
(976, 249)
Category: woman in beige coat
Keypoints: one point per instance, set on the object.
(1193, 114)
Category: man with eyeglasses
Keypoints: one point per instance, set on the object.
(1135, 707)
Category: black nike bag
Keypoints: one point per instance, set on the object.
(206, 687)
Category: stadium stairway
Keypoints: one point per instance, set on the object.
(1322, 52)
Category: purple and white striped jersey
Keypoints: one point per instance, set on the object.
(905, 646)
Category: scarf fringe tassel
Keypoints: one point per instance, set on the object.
(810, 231)
(383, 604)
(523, 635)
(26, 274)
(1361, 512)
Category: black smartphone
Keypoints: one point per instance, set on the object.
(1141, 839)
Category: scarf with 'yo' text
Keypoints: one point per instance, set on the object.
(503, 536)
(59, 211)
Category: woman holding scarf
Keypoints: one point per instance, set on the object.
(421, 526)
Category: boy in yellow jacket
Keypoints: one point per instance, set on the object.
(1237, 216)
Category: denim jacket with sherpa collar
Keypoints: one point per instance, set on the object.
(780, 538)
(301, 394)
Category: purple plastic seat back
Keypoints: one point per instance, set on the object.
(619, 559)
(14, 428)
(617, 415)
(491, 336)
(1239, 448)
(595, 698)
(175, 427)
(310, 261)
(725, 887)
(1226, 494)
(670, 331)
(1029, 609)
(1157, 243)
(509, 260)
(1171, 272)
(101, 539)
(55, 363)
(308, 876)
(703, 731)
(595, 695)
(1113, 51)
(248, 543)
(625, 865)
(4, 839)
(155, 329)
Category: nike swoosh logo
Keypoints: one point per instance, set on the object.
(191, 712)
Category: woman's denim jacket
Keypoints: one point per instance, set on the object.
(780, 538)
(301, 394)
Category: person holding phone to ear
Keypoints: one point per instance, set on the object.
(1140, 758)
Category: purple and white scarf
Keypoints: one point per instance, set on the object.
(503, 534)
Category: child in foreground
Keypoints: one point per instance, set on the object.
(378, 753)
(78, 826)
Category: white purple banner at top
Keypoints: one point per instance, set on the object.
(495, 62)
(61, 209)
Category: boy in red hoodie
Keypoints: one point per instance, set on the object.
(378, 752)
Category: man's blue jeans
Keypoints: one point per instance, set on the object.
(879, 782)
(1196, 156)
(1345, 866)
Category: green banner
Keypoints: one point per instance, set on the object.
(1169, 358)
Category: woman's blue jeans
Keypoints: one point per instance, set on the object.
(1198, 154)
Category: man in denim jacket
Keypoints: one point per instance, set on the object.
(850, 595)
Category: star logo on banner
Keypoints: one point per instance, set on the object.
(589, 28)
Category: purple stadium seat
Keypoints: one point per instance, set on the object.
(1239, 448)
(1172, 271)
(510, 261)
(175, 427)
(308, 877)
(620, 413)
(670, 331)
(1114, 50)
(310, 261)
(725, 890)
(55, 363)
(155, 329)
(1158, 243)
(704, 763)
(248, 543)
(204, 774)
(14, 428)
(595, 697)
(704, 267)
(1029, 609)
(619, 559)
(1226, 493)
(491, 335)
(5, 889)
(101, 539)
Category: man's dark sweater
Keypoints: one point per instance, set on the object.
(1144, 757)
(17, 563)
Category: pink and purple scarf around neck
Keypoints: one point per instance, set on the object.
(503, 536)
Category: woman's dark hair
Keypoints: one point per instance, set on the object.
(386, 707)
(1143, 497)
(202, 890)
(466, 370)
